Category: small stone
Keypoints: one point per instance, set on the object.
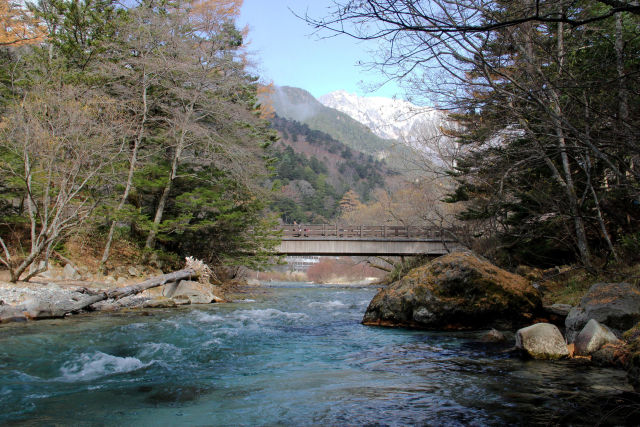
(542, 341)
(494, 335)
(160, 302)
(218, 299)
(592, 337)
(133, 271)
(558, 309)
(70, 273)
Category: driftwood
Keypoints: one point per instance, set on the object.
(118, 293)
(176, 276)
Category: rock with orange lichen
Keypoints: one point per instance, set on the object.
(456, 291)
(616, 305)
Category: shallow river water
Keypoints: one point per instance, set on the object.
(294, 354)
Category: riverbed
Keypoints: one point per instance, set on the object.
(293, 354)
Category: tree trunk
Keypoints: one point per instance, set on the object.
(151, 238)
(570, 189)
(176, 276)
(132, 168)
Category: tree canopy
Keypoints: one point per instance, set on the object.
(545, 99)
(139, 121)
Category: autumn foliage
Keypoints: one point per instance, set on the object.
(18, 26)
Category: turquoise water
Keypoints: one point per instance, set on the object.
(292, 355)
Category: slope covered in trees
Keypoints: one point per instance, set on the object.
(313, 171)
(299, 105)
(137, 122)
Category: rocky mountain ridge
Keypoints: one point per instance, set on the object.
(387, 118)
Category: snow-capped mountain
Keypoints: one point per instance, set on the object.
(418, 127)
(387, 118)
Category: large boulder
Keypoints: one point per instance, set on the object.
(616, 305)
(542, 341)
(456, 291)
(36, 309)
(592, 337)
(196, 292)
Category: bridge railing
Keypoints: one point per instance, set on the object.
(359, 231)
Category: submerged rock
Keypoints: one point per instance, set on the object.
(542, 341)
(592, 337)
(616, 305)
(456, 291)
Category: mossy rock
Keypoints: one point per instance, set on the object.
(456, 291)
(632, 336)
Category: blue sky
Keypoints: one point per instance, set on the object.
(287, 53)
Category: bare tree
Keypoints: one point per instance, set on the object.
(58, 147)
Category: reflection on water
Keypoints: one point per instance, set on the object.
(294, 355)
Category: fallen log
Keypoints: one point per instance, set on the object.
(176, 276)
(56, 309)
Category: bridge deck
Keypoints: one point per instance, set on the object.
(331, 239)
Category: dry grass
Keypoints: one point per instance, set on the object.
(86, 249)
(571, 285)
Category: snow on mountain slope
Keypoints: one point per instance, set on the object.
(417, 127)
(387, 118)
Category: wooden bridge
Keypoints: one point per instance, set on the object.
(363, 240)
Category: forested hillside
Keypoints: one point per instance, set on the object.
(299, 105)
(314, 171)
(133, 123)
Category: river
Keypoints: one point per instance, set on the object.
(292, 354)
